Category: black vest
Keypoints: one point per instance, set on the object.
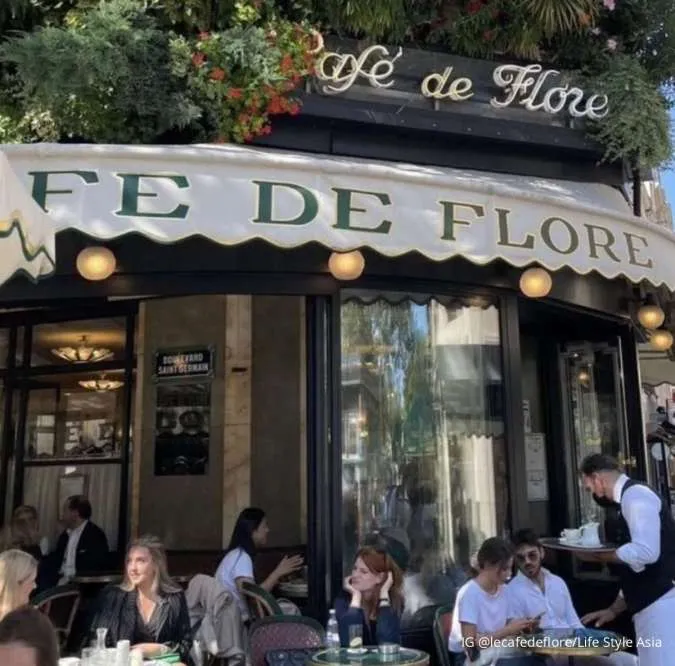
(643, 589)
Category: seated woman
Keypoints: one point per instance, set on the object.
(482, 613)
(374, 599)
(250, 533)
(18, 571)
(148, 609)
(23, 533)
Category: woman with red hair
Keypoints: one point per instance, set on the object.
(373, 599)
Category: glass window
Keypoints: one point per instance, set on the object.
(423, 453)
(77, 342)
(75, 416)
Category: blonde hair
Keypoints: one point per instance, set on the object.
(16, 567)
(22, 530)
(162, 583)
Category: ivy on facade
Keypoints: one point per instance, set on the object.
(181, 71)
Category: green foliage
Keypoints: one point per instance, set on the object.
(637, 126)
(108, 77)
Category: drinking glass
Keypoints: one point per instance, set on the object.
(101, 633)
(355, 638)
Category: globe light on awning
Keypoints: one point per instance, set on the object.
(661, 340)
(346, 265)
(96, 263)
(536, 282)
(651, 316)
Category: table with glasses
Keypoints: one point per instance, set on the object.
(368, 656)
(572, 643)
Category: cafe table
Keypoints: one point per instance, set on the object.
(368, 656)
(572, 643)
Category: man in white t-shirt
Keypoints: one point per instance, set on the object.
(536, 592)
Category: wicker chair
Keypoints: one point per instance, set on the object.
(441, 628)
(60, 605)
(260, 602)
(285, 632)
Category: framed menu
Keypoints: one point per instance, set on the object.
(535, 465)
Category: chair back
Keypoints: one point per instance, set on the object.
(260, 602)
(441, 628)
(60, 605)
(285, 632)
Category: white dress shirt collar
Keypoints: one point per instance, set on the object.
(618, 488)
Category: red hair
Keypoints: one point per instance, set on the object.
(380, 562)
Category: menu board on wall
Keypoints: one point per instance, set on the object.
(182, 427)
(535, 465)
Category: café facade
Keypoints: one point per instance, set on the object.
(411, 312)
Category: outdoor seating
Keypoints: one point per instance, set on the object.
(260, 602)
(285, 632)
(60, 604)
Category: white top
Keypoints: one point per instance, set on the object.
(526, 599)
(640, 506)
(236, 564)
(68, 569)
(489, 612)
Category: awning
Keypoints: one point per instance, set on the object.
(27, 234)
(233, 194)
(656, 367)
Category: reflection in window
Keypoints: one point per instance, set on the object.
(423, 457)
(66, 419)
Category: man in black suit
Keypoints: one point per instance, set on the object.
(82, 547)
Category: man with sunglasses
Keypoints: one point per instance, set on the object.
(535, 592)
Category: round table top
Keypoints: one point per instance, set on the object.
(369, 657)
(556, 544)
(97, 578)
(573, 642)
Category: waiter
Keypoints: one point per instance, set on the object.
(646, 558)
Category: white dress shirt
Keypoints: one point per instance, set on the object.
(526, 599)
(640, 507)
(68, 568)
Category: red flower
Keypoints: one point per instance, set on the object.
(235, 93)
(286, 64)
(198, 59)
(294, 110)
(204, 36)
(474, 6)
(267, 129)
(217, 74)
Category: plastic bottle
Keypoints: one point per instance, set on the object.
(332, 632)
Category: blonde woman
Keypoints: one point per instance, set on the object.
(148, 608)
(18, 571)
(23, 532)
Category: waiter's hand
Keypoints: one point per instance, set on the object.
(599, 618)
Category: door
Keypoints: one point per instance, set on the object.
(594, 415)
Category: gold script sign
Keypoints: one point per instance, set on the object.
(521, 85)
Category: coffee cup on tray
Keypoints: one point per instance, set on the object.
(570, 534)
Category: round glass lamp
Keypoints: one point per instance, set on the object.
(346, 265)
(536, 282)
(96, 263)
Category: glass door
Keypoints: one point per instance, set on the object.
(594, 414)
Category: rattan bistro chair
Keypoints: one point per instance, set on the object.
(260, 602)
(60, 605)
(272, 636)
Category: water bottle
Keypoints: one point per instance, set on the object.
(332, 632)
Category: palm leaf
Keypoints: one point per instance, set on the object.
(562, 16)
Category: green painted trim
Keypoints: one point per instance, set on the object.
(16, 224)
